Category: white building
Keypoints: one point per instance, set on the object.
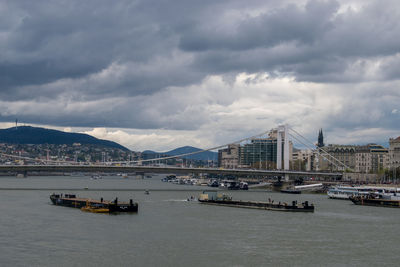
(394, 152)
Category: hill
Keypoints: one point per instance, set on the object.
(207, 155)
(36, 135)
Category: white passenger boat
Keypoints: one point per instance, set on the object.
(345, 192)
(389, 194)
(341, 193)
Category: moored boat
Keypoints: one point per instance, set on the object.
(345, 192)
(376, 200)
(71, 200)
(213, 198)
(243, 186)
(290, 191)
(342, 192)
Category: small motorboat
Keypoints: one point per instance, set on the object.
(290, 191)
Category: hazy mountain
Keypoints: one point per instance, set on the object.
(150, 152)
(207, 155)
(36, 135)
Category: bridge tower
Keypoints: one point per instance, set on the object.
(283, 138)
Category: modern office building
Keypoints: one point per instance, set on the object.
(259, 153)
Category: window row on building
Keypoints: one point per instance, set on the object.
(260, 153)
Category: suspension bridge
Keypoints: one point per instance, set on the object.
(283, 135)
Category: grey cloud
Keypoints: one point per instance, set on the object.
(288, 24)
(314, 44)
(364, 107)
(73, 39)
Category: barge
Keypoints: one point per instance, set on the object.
(71, 200)
(213, 198)
(377, 201)
(290, 191)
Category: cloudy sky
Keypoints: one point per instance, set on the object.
(154, 74)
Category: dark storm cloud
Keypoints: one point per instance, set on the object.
(72, 39)
(314, 43)
(87, 51)
(288, 24)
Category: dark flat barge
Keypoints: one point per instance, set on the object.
(222, 200)
(290, 191)
(373, 201)
(70, 200)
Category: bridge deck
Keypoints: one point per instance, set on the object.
(151, 169)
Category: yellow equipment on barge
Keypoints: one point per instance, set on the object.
(95, 210)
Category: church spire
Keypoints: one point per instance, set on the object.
(320, 139)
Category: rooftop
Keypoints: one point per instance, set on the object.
(395, 139)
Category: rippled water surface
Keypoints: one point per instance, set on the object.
(170, 231)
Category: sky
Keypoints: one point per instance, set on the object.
(158, 75)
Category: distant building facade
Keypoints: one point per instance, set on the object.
(371, 158)
(344, 153)
(259, 153)
(228, 158)
(303, 160)
(394, 152)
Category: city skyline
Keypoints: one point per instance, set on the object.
(296, 144)
(160, 75)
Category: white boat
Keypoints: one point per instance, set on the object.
(341, 193)
(391, 194)
(345, 192)
(308, 187)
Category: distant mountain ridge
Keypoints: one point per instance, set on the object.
(207, 155)
(37, 135)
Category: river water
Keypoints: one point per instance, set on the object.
(170, 231)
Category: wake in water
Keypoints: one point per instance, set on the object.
(175, 200)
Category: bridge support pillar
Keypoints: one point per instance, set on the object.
(22, 174)
(282, 140)
(286, 177)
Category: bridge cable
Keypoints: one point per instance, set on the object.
(313, 149)
(137, 161)
(320, 149)
(322, 154)
(192, 153)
